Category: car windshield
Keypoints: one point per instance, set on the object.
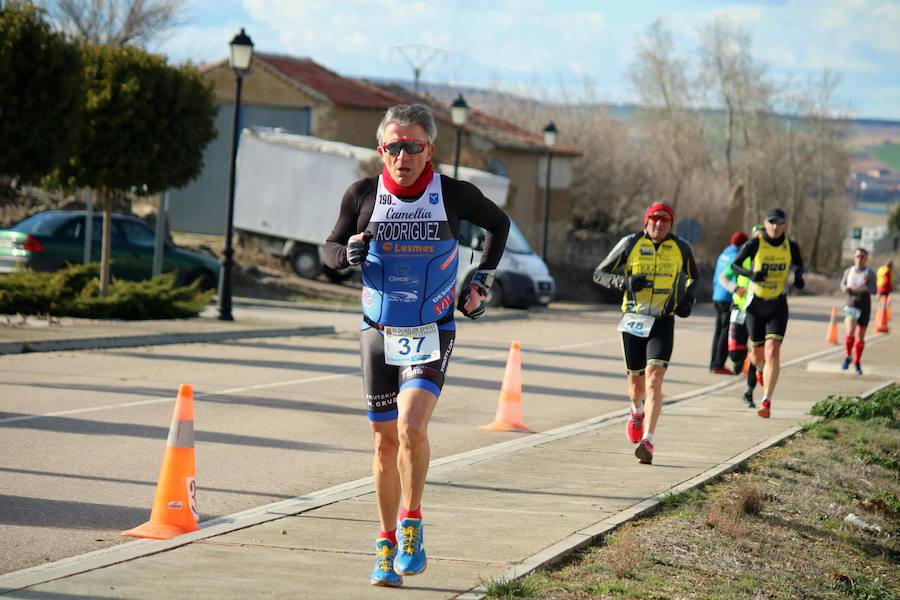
(42, 224)
(516, 242)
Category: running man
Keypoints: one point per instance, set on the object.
(772, 256)
(722, 301)
(739, 286)
(402, 228)
(656, 271)
(858, 283)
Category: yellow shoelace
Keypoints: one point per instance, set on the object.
(410, 539)
(385, 558)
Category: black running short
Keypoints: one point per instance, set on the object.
(382, 382)
(656, 349)
(864, 303)
(767, 320)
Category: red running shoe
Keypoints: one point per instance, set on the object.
(635, 428)
(644, 452)
(722, 371)
(764, 410)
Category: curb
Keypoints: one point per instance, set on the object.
(595, 533)
(98, 343)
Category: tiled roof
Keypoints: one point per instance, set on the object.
(354, 93)
(340, 90)
(501, 132)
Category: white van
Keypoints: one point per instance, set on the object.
(522, 277)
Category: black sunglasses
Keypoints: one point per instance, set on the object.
(775, 221)
(411, 146)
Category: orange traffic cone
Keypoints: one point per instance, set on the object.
(831, 338)
(881, 319)
(175, 508)
(509, 406)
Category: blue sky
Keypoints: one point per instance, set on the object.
(556, 46)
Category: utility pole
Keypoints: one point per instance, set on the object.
(418, 57)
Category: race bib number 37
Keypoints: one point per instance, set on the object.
(405, 346)
(635, 324)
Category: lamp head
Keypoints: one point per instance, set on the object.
(241, 52)
(551, 135)
(459, 111)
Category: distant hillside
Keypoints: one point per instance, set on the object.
(872, 141)
(889, 154)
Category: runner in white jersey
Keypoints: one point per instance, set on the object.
(858, 283)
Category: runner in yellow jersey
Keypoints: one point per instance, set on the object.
(656, 270)
(772, 257)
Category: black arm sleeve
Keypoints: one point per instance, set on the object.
(748, 250)
(610, 272)
(346, 225)
(690, 265)
(796, 259)
(472, 205)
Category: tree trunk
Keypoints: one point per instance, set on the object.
(106, 245)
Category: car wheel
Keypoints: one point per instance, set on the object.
(496, 299)
(305, 262)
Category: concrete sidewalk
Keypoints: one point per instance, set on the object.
(35, 334)
(497, 511)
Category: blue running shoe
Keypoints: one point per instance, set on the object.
(858, 368)
(384, 573)
(846, 364)
(411, 559)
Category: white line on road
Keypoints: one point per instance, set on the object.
(260, 386)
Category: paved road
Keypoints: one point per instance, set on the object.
(82, 432)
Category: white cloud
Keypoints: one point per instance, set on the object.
(548, 44)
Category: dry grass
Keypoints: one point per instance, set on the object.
(776, 530)
(627, 555)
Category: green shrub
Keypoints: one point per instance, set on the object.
(75, 292)
(881, 404)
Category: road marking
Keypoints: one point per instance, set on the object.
(262, 386)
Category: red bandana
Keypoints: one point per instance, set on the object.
(412, 191)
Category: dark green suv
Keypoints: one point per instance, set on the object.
(48, 240)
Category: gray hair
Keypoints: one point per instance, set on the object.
(408, 114)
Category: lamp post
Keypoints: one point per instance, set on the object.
(551, 134)
(239, 59)
(459, 112)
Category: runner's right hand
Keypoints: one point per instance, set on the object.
(358, 247)
(758, 276)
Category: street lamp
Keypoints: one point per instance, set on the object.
(459, 112)
(551, 135)
(241, 53)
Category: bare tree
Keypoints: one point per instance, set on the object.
(116, 22)
(672, 127)
(737, 85)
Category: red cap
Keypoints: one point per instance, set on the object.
(656, 207)
(738, 238)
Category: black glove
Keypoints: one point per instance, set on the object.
(798, 281)
(358, 248)
(685, 307)
(479, 286)
(759, 276)
(636, 283)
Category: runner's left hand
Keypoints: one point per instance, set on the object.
(472, 300)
